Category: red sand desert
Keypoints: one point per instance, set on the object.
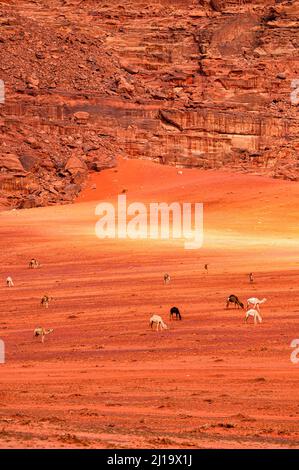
(103, 379)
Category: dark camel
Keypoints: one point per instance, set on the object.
(175, 311)
(233, 299)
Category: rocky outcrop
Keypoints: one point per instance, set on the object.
(11, 162)
(204, 83)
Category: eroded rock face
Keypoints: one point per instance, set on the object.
(205, 83)
(11, 162)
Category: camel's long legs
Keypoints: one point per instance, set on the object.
(258, 317)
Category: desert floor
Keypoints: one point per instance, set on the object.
(103, 379)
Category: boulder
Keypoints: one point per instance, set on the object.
(28, 203)
(32, 142)
(11, 162)
(32, 82)
(72, 189)
(28, 161)
(81, 117)
(124, 86)
(75, 165)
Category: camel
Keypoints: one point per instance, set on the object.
(42, 332)
(166, 278)
(255, 314)
(159, 322)
(175, 311)
(255, 303)
(9, 282)
(233, 299)
(45, 300)
(33, 263)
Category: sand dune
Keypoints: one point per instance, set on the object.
(103, 379)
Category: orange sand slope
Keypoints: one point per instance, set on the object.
(103, 378)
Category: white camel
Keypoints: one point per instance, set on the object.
(42, 332)
(159, 322)
(255, 314)
(255, 303)
(9, 282)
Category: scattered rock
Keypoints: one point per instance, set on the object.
(32, 82)
(11, 162)
(281, 76)
(81, 117)
(75, 165)
(28, 161)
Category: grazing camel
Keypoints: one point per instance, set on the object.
(255, 303)
(255, 314)
(175, 311)
(9, 282)
(166, 278)
(159, 322)
(42, 332)
(45, 300)
(33, 263)
(233, 299)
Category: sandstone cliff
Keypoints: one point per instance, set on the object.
(203, 83)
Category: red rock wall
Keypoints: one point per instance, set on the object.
(203, 83)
